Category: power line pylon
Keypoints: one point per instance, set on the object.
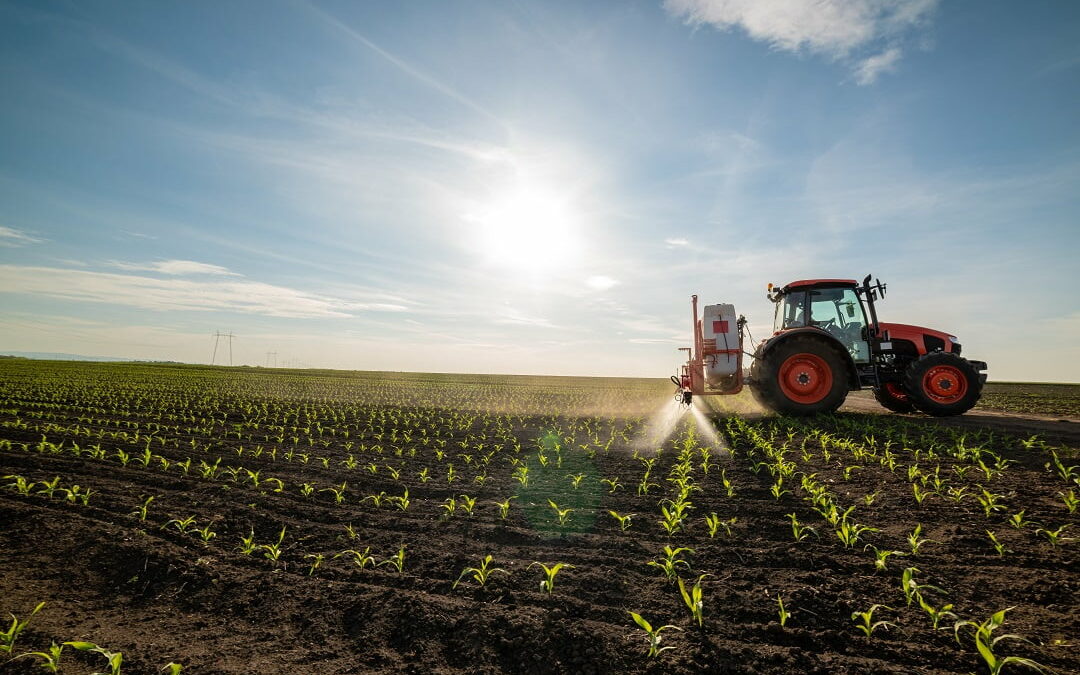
(217, 336)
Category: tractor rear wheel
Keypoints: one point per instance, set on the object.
(942, 384)
(802, 376)
(892, 397)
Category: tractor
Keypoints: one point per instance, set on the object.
(827, 341)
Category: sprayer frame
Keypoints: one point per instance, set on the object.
(691, 380)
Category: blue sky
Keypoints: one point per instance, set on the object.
(531, 187)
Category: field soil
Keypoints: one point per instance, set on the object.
(157, 592)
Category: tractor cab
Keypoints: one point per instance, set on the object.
(830, 305)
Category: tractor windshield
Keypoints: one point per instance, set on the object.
(838, 312)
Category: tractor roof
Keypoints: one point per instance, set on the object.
(820, 282)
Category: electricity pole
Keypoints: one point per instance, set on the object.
(217, 336)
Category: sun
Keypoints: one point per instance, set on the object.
(529, 228)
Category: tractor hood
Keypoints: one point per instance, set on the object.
(924, 339)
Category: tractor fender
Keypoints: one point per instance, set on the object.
(773, 342)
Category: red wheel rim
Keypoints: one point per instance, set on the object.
(805, 378)
(895, 391)
(945, 384)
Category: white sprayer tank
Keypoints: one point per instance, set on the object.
(719, 324)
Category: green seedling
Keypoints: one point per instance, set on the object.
(316, 561)
(273, 551)
(1055, 537)
(985, 642)
(50, 660)
(548, 582)
(713, 522)
(504, 507)
(141, 509)
(482, 573)
(693, 599)
(19, 484)
(624, 521)
(998, 546)
(798, 530)
(1018, 522)
(915, 541)
(397, 561)
(206, 533)
(247, 544)
(912, 588)
(990, 501)
(880, 556)
(182, 524)
(468, 504)
(864, 621)
(8, 637)
(782, 613)
(1070, 500)
(654, 634)
(359, 558)
(113, 659)
(936, 614)
(563, 515)
(671, 561)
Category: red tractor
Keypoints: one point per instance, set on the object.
(827, 341)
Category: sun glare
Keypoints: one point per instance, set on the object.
(528, 228)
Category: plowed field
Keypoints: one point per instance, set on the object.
(312, 468)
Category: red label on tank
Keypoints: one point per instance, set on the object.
(719, 327)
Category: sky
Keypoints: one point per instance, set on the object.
(531, 186)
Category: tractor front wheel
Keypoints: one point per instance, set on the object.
(942, 384)
(892, 397)
(802, 376)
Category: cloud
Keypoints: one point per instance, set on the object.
(834, 28)
(242, 296)
(675, 242)
(601, 282)
(12, 238)
(867, 71)
(175, 268)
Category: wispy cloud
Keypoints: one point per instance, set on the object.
(837, 29)
(676, 242)
(175, 268)
(11, 238)
(867, 71)
(242, 296)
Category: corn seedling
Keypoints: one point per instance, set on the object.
(998, 546)
(548, 582)
(563, 515)
(397, 561)
(936, 614)
(920, 495)
(624, 521)
(247, 544)
(273, 551)
(206, 533)
(482, 573)
(654, 634)
(50, 660)
(182, 524)
(468, 504)
(990, 501)
(728, 487)
(575, 480)
(450, 505)
(140, 510)
(849, 532)
(359, 558)
(916, 542)
(49, 487)
(1069, 474)
(798, 530)
(339, 493)
(612, 483)
(8, 637)
(782, 613)
(316, 561)
(864, 621)
(693, 599)
(869, 497)
(669, 564)
(713, 522)
(912, 588)
(1055, 537)
(504, 507)
(113, 659)
(777, 488)
(880, 556)
(1017, 520)
(20, 485)
(1070, 500)
(985, 642)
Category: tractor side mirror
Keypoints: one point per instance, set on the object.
(851, 311)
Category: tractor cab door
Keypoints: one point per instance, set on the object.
(838, 312)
